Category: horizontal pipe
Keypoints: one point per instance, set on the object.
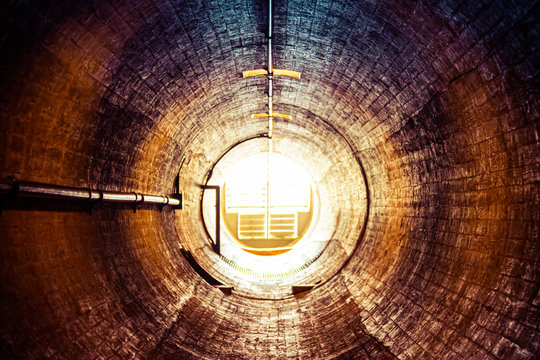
(49, 191)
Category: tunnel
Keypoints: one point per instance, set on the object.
(418, 122)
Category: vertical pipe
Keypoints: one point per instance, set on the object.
(268, 166)
(217, 245)
(270, 115)
(270, 72)
(270, 30)
(218, 226)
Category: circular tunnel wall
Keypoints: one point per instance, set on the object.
(438, 101)
(333, 236)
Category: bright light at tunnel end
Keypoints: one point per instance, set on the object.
(269, 204)
(282, 208)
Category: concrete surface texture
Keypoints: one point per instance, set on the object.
(437, 101)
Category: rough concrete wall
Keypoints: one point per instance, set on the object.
(438, 100)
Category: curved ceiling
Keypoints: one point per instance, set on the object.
(438, 100)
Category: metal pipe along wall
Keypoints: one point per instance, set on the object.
(37, 190)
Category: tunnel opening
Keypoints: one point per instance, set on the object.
(327, 189)
(268, 203)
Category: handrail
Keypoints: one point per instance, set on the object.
(49, 191)
(217, 245)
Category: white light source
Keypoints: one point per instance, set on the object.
(267, 191)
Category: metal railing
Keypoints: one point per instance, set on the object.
(12, 188)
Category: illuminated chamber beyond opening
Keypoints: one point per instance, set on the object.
(268, 203)
(290, 202)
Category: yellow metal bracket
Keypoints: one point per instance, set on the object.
(290, 73)
(255, 72)
(281, 72)
(260, 115)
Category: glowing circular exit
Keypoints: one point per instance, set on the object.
(267, 203)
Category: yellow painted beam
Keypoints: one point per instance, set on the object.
(255, 72)
(285, 116)
(290, 73)
(281, 72)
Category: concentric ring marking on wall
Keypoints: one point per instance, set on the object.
(353, 152)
